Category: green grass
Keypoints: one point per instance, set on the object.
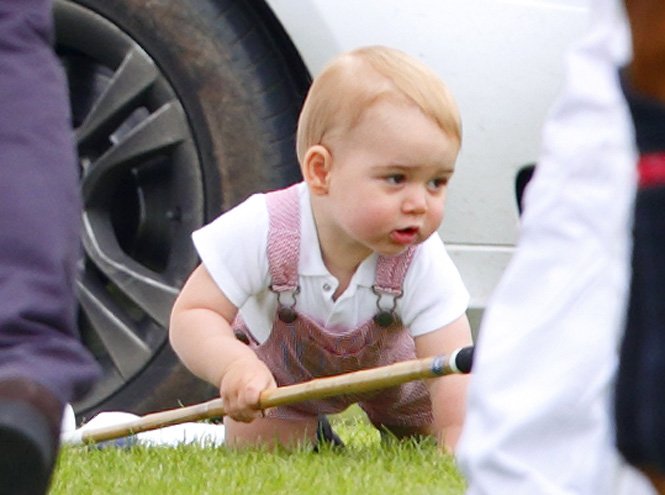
(365, 466)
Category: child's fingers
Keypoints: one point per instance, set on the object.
(238, 407)
(241, 392)
(249, 400)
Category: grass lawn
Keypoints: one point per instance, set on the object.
(365, 466)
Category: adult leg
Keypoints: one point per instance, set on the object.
(39, 210)
(42, 364)
(641, 383)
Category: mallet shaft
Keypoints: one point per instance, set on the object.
(320, 388)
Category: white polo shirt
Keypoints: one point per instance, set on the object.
(233, 249)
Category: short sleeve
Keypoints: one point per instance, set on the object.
(233, 249)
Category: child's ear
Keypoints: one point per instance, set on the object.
(316, 169)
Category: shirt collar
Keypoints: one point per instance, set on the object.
(311, 263)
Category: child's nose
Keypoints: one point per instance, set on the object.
(415, 200)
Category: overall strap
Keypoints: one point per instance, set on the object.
(388, 281)
(391, 270)
(283, 239)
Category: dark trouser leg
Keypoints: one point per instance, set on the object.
(640, 411)
(640, 407)
(39, 210)
(42, 363)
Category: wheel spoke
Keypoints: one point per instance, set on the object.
(158, 133)
(144, 287)
(127, 351)
(134, 76)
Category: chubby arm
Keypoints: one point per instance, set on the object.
(202, 337)
(448, 393)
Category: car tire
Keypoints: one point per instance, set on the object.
(181, 109)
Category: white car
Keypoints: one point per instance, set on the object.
(183, 108)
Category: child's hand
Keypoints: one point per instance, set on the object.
(241, 388)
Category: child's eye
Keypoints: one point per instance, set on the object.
(395, 178)
(438, 183)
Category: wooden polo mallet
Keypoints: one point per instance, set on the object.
(459, 361)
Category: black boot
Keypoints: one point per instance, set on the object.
(30, 420)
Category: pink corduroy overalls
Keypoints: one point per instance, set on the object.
(300, 349)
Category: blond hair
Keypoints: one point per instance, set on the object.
(354, 81)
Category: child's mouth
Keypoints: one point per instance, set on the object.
(404, 236)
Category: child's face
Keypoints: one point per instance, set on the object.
(388, 178)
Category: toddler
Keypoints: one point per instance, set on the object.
(343, 271)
